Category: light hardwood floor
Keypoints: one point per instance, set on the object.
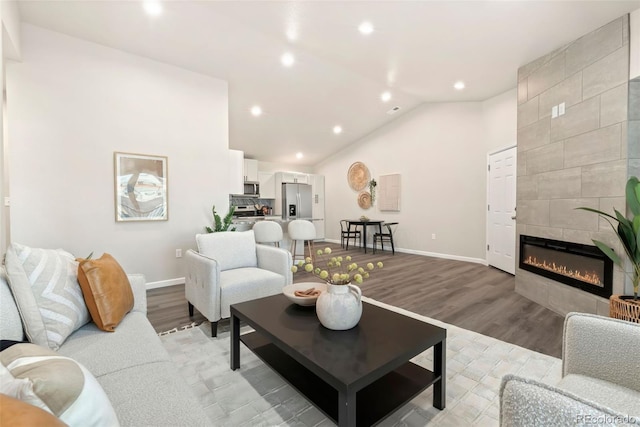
(471, 296)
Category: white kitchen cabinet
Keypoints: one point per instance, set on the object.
(250, 170)
(298, 178)
(317, 186)
(236, 167)
(267, 182)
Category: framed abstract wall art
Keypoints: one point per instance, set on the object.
(141, 190)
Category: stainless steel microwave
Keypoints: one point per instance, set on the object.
(252, 189)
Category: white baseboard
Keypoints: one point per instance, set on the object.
(444, 256)
(337, 242)
(431, 254)
(165, 283)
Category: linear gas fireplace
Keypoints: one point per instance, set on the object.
(580, 266)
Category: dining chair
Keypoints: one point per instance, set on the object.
(345, 234)
(388, 236)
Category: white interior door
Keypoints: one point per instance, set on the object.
(501, 229)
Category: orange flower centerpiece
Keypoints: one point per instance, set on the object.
(340, 307)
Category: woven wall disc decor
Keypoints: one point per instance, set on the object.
(358, 176)
(364, 200)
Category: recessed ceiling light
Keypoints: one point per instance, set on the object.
(386, 96)
(299, 155)
(256, 110)
(459, 85)
(152, 7)
(366, 27)
(287, 59)
(337, 129)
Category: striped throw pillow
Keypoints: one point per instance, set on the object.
(44, 283)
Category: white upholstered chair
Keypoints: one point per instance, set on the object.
(600, 379)
(303, 230)
(268, 232)
(230, 268)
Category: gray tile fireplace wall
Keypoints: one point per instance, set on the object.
(581, 158)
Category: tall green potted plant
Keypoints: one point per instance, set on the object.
(220, 224)
(628, 232)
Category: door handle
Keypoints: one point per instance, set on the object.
(513, 217)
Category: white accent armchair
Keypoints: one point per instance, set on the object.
(600, 379)
(230, 268)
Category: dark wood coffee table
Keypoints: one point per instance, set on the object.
(356, 377)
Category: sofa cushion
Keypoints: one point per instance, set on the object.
(106, 290)
(20, 414)
(133, 343)
(239, 285)
(153, 395)
(10, 322)
(618, 398)
(231, 249)
(56, 384)
(45, 287)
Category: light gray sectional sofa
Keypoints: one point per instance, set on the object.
(130, 364)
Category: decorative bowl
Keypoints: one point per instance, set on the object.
(289, 292)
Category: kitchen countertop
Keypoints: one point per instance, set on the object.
(250, 220)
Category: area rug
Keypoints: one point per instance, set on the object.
(255, 396)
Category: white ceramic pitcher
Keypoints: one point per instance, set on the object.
(340, 307)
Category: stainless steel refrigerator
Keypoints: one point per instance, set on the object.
(296, 201)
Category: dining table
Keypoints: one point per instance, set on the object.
(365, 224)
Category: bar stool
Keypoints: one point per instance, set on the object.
(385, 236)
(301, 229)
(268, 232)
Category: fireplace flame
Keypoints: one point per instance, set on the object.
(592, 278)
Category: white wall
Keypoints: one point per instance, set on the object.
(71, 105)
(11, 29)
(283, 167)
(440, 151)
(500, 119)
(4, 224)
(9, 49)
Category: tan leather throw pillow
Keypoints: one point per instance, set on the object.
(106, 289)
(19, 414)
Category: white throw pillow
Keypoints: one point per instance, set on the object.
(44, 283)
(59, 385)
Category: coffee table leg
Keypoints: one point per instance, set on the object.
(440, 369)
(235, 342)
(346, 409)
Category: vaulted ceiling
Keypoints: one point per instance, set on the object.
(416, 51)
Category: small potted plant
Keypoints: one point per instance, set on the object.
(340, 307)
(625, 307)
(221, 224)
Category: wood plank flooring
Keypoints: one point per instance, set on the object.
(471, 296)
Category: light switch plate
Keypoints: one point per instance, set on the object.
(554, 111)
(7, 201)
(561, 109)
